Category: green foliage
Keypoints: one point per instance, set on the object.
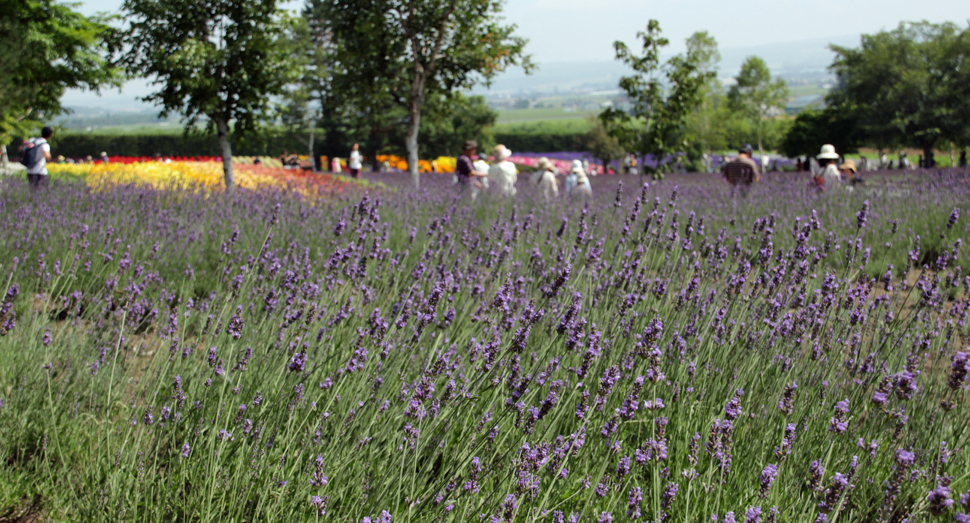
(270, 142)
(759, 99)
(811, 129)
(603, 146)
(410, 51)
(908, 86)
(46, 48)
(219, 60)
(663, 95)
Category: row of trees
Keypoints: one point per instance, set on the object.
(383, 63)
(386, 72)
(680, 106)
(909, 87)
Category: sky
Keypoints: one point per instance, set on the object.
(584, 30)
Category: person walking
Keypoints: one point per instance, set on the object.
(828, 176)
(465, 170)
(34, 154)
(355, 161)
(545, 179)
(503, 174)
(741, 172)
(577, 183)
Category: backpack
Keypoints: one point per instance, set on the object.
(31, 153)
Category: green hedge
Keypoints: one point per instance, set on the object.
(268, 144)
(542, 142)
(80, 145)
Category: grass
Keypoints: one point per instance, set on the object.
(186, 357)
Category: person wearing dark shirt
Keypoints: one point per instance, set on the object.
(741, 172)
(465, 168)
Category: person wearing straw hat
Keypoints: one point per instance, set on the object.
(850, 174)
(503, 174)
(577, 183)
(828, 176)
(545, 179)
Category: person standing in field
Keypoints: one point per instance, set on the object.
(355, 161)
(104, 157)
(828, 177)
(465, 170)
(741, 172)
(34, 154)
(503, 174)
(545, 179)
(577, 183)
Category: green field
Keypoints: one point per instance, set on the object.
(572, 125)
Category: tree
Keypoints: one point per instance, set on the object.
(811, 129)
(909, 86)
(218, 59)
(757, 97)
(662, 95)
(46, 48)
(412, 49)
(706, 125)
(601, 144)
(452, 119)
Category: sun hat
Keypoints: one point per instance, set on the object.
(828, 153)
(104, 153)
(545, 165)
(577, 167)
(502, 153)
(848, 165)
(470, 144)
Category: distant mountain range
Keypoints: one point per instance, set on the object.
(798, 62)
(804, 61)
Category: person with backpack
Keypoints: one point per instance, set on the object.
(545, 179)
(34, 154)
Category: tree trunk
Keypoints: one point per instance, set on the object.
(313, 159)
(411, 142)
(223, 129)
(928, 154)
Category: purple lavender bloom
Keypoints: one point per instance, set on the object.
(952, 220)
(940, 501)
(186, 450)
(905, 458)
(768, 476)
(958, 370)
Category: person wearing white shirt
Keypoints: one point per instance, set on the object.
(503, 174)
(829, 173)
(577, 183)
(545, 179)
(355, 162)
(37, 153)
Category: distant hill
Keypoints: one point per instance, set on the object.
(804, 61)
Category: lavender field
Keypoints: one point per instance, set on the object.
(664, 353)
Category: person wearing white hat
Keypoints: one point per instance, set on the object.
(503, 174)
(577, 183)
(545, 179)
(829, 177)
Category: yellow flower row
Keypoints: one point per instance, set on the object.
(174, 175)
